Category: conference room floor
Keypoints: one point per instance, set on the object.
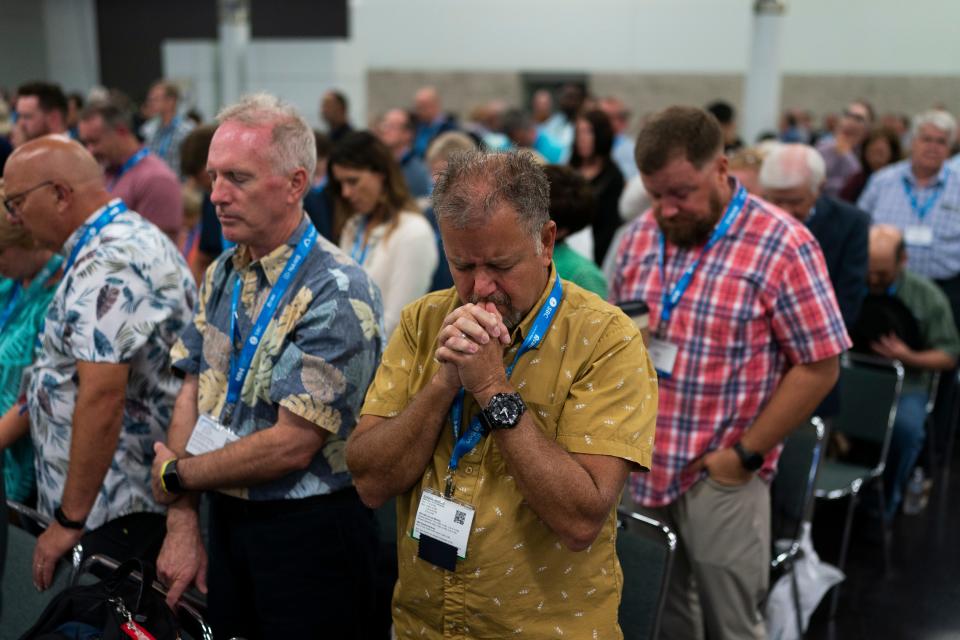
(920, 597)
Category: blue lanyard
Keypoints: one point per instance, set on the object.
(92, 229)
(240, 366)
(15, 294)
(475, 432)
(131, 162)
(169, 130)
(109, 214)
(359, 253)
(671, 298)
(924, 209)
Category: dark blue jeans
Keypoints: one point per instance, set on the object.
(291, 568)
(905, 445)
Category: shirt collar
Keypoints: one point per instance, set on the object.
(274, 262)
(74, 237)
(520, 331)
(941, 178)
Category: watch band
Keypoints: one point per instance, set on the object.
(751, 460)
(170, 478)
(66, 522)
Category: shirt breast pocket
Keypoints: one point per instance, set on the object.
(731, 327)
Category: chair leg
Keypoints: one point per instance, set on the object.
(796, 599)
(842, 560)
(884, 526)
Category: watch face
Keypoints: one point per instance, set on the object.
(504, 410)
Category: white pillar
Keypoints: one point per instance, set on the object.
(761, 98)
(234, 40)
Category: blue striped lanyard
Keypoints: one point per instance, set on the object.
(113, 209)
(476, 431)
(240, 366)
(924, 209)
(359, 251)
(131, 162)
(671, 297)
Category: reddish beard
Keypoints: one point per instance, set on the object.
(685, 229)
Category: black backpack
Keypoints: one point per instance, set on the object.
(119, 607)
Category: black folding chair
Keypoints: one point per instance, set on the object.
(869, 393)
(22, 603)
(645, 547)
(791, 500)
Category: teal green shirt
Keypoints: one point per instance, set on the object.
(17, 343)
(579, 270)
(931, 309)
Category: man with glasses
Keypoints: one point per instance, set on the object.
(100, 392)
(841, 151)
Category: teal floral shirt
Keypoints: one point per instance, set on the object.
(126, 300)
(316, 358)
(17, 341)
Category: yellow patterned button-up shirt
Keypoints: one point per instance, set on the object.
(591, 388)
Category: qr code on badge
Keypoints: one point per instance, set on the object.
(460, 517)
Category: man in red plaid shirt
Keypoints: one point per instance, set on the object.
(746, 335)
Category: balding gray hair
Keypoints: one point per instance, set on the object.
(475, 184)
(294, 145)
(787, 166)
(937, 118)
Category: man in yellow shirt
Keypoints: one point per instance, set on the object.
(550, 398)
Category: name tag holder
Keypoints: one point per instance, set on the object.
(442, 526)
(209, 435)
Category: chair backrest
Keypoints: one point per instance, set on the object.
(22, 603)
(869, 393)
(792, 492)
(645, 547)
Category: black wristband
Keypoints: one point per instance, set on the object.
(66, 522)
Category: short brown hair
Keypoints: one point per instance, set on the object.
(677, 130)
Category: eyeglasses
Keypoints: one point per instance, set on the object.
(13, 203)
(853, 115)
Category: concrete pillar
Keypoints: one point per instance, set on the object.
(761, 98)
(234, 42)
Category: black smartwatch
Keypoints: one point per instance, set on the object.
(503, 411)
(750, 460)
(170, 479)
(66, 522)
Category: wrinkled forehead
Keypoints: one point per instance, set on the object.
(234, 141)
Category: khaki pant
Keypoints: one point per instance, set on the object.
(721, 567)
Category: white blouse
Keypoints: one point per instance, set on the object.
(402, 264)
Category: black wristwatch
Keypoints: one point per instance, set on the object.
(503, 411)
(170, 479)
(66, 522)
(750, 460)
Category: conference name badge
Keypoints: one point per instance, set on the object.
(209, 435)
(443, 528)
(664, 356)
(918, 236)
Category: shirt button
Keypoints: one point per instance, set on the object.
(469, 469)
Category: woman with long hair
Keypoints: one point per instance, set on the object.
(590, 157)
(378, 223)
(879, 150)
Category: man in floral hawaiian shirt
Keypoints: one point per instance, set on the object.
(276, 363)
(100, 392)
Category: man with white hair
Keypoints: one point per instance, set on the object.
(921, 197)
(275, 366)
(792, 177)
